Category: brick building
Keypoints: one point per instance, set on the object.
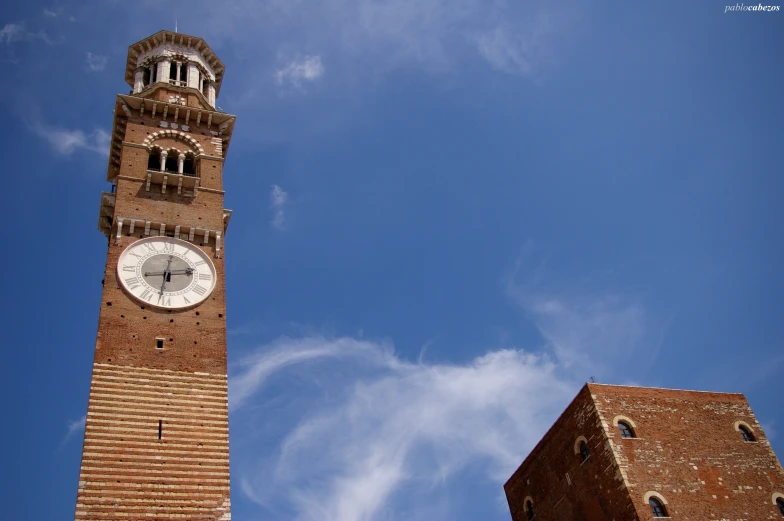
(156, 443)
(621, 453)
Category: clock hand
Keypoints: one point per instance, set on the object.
(184, 271)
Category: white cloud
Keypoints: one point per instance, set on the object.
(75, 427)
(360, 425)
(49, 13)
(510, 50)
(307, 69)
(11, 33)
(16, 32)
(591, 333)
(96, 62)
(67, 141)
(278, 200)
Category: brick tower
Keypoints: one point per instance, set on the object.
(156, 440)
(621, 453)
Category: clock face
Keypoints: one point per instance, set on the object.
(167, 273)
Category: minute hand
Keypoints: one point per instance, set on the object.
(185, 271)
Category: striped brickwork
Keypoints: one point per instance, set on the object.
(127, 472)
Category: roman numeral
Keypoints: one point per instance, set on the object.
(186, 299)
(200, 263)
(200, 290)
(133, 283)
(132, 269)
(147, 295)
(135, 254)
(168, 246)
(205, 276)
(167, 301)
(150, 246)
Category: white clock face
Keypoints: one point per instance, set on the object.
(167, 273)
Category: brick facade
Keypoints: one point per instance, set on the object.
(156, 437)
(687, 452)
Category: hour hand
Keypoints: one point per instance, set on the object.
(153, 273)
(185, 271)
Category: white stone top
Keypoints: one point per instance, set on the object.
(171, 50)
(167, 44)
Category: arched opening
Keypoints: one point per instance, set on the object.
(780, 504)
(205, 89)
(154, 161)
(746, 433)
(146, 75)
(529, 509)
(173, 71)
(189, 165)
(171, 161)
(626, 430)
(184, 72)
(657, 507)
(584, 453)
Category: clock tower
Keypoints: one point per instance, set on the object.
(156, 443)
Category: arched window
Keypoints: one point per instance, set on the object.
(146, 74)
(657, 507)
(584, 451)
(780, 504)
(626, 430)
(171, 161)
(154, 162)
(529, 509)
(746, 433)
(189, 165)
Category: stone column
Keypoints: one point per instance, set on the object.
(163, 71)
(211, 93)
(164, 153)
(193, 75)
(180, 163)
(177, 74)
(138, 81)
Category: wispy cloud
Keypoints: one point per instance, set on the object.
(96, 62)
(75, 427)
(511, 50)
(49, 13)
(361, 424)
(591, 332)
(17, 32)
(67, 141)
(307, 69)
(278, 200)
(11, 33)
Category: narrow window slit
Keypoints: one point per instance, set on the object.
(160, 428)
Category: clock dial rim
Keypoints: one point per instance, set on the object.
(138, 263)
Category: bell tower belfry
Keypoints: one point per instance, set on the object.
(156, 443)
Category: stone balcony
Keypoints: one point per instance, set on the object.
(186, 185)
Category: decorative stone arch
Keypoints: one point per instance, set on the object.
(740, 423)
(777, 495)
(174, 134)
(624, 419)
(528, 501)
(652, 493)
(577, 443)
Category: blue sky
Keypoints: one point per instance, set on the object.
(448, 216)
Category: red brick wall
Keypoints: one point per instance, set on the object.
(688, 449)
(595, 492)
